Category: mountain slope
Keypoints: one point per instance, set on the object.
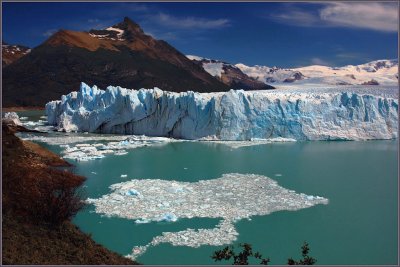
(10, 53)
(122, 54)
(379, 72)
(229, 74)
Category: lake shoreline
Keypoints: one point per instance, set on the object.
(20, 108)
(27, 237)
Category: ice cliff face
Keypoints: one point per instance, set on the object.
(233, 115)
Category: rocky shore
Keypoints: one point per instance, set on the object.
(33, 233)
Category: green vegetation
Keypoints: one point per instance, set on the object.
(306, 260)
(242, 258)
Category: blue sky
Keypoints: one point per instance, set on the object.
(272, 34)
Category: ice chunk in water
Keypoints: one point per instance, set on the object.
(169, 217)
(132, 192)
(139, 221)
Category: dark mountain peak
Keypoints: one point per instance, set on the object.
(127, 30)
(120, 55)
(129, 21)
(129, 26)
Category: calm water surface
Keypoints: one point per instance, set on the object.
(358, 226)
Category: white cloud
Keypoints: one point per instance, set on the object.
(189, 22)
(367, 15)
(297, 17)
(375, 16)
(318, 61)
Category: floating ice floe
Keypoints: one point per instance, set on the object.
(142, 221)
(124, 175)
(132, 192)
(70, 138)
(120, 152)
(40, 125)
(105, 145)
(34, 123)
(251, 142)
(231, 197)
(168, 217)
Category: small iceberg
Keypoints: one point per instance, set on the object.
(120, 152)
(169, 217)
(139, 221)
(132, 192)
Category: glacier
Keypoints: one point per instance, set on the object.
(316, 114)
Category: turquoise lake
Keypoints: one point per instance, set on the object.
(358, 226)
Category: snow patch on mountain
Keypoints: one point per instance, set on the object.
(120, 32)
(215, 69)
(111, 33)
(229, 74)
(192, 57)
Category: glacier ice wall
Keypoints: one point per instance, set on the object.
(233, 115)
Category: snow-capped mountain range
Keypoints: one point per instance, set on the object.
(378, 72)
(11, 53)
(229, 74)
